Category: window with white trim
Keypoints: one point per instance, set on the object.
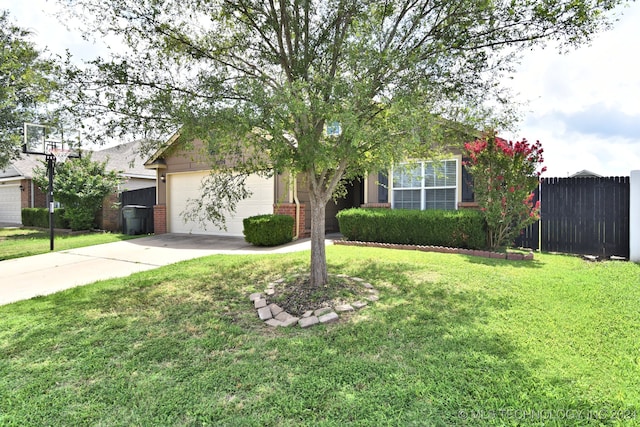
(426, 185)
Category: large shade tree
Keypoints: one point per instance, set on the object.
(267, 76)
(27, 82)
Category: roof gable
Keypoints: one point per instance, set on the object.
(22, 167)
(585, 174)
(124, 158)
(157, 159)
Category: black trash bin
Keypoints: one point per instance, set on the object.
(135, 219)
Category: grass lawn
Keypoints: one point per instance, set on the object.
(21, 242)
(453, 340)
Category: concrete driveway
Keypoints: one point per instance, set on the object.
(25, 278)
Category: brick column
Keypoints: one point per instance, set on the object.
(290, 209)
(109, 216)
(160, 219)
(25, 196)
(39, 198)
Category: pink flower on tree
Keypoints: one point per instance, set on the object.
(507, 172)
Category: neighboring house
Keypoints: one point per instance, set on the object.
(585, 174)
(126, 159)
(181, 169)
(18, 191)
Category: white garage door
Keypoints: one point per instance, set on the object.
(10, 204)
(184, 186)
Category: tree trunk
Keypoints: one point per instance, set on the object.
(318, 274)
(321, 188)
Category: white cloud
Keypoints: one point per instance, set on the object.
(567, 151)
(604, 71)
(583, 105)
(39, 16)
(596, 120)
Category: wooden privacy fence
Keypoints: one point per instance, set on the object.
(581, 216)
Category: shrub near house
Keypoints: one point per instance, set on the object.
(268, 230)
(39, 217)
(461, 229)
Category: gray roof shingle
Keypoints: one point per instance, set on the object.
(125, 158)
(22, 167)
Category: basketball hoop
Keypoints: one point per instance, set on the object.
(51, 142)
(60, 154)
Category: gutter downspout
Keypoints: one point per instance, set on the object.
(297, 202)
(366, 189)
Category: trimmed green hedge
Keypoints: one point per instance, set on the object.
(268, 230)
(460, 229)
(39, 217)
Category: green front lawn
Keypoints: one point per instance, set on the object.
(21, 242)
(454, 340)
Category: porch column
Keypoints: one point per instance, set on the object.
(634, 216)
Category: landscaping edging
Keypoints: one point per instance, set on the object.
(274, 315)
(440, 249)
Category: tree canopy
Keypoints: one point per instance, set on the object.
(27, 81)
(394, 74)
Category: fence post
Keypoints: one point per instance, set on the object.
(634, 216)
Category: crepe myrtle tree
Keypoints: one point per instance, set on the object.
(260, 80)
(505, 176)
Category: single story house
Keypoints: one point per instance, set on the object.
(180, 169)
(585, 174)
(18, 191)
(126, 158)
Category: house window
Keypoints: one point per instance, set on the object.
(426, 185)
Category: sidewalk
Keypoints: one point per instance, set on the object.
(25, 278)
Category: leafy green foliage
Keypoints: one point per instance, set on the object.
(460, 229)
(39, 217)
(80, 185)
(268, 230)
(27, 81)
(505, 175)
(261, 80)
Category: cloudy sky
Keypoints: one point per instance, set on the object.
(584, 106)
